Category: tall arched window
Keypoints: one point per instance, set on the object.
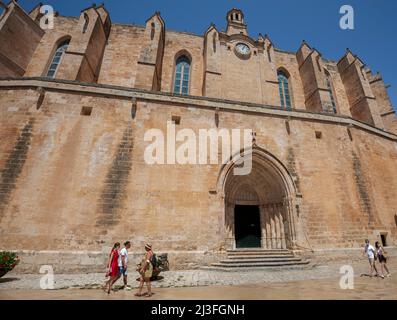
(86, 22)
(56, 60)
(331, 91)
(283, 86)
(182, 74)
(152, 30)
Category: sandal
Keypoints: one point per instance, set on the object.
(138, 295)
(148, 295)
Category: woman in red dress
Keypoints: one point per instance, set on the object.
(113, 268)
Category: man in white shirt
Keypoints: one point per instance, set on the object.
(123, 261)
(370, 252)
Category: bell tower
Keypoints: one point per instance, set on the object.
(235, 22)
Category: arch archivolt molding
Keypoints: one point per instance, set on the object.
(269, 186)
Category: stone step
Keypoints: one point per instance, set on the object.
(255, 268)
(256, 250)
(260, 264)
(234, 261)
(253, 256)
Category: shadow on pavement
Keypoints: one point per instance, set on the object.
(4, 280)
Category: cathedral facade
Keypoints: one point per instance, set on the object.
(77, 100)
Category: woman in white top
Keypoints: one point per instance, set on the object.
(370, 252)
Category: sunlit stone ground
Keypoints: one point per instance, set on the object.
(318, 283)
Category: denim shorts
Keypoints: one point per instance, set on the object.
(122, 271)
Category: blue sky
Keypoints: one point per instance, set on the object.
(287, 22)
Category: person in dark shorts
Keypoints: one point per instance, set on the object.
(381, 253)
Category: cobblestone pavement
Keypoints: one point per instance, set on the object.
(186, 278)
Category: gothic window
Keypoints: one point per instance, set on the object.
(363, 72)
(86, 22)
(331, 91)
(182, 74)
(284, 90)
(152, 31)
(269, 57)
(56, 60)
(318, 63)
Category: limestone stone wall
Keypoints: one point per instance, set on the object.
(181, 43)
(341, 100)
(73, 176)
(287, 62)
(78, 182)
(40, 60)
(123, 50)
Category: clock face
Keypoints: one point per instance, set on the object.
(242, 49)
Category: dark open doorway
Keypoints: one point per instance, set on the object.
(247, 226)
(383, 239)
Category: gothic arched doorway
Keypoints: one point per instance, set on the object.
(259, 206)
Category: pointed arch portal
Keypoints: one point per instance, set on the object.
(259, 207)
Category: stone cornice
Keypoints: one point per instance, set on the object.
(118, 92)
(239, 37)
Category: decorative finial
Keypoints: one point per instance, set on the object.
(253, 134)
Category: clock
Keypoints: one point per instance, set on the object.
(242, 50)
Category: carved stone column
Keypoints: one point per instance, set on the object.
(282, 230)
(277, 226)
(291, 218)
(262, 211)
(268, 229)
(273, 227)
(229, 226)
(286, 224)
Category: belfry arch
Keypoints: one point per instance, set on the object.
(259, 208)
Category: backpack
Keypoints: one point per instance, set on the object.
(153, 260)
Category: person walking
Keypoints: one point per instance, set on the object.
(371, 254)
(113, 269)
(381, 253)
(146, 271)
(123, 263)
